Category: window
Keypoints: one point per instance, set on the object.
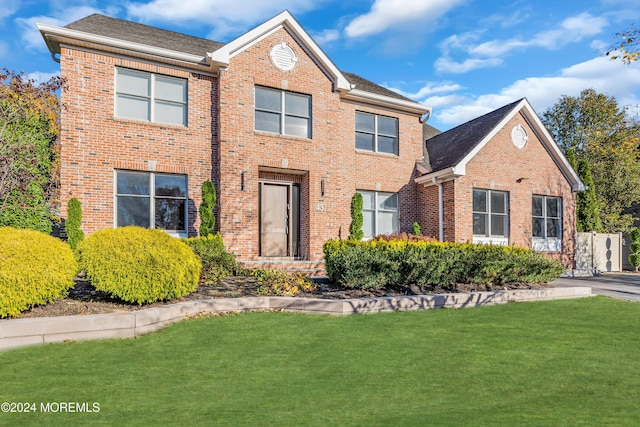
(380, 213)
(151, 97)
(283, 112)
(151, 200)
(490, 216)
(376, 133)
(547, 223)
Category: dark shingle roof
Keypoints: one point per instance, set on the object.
(447, 149)
(144, 34)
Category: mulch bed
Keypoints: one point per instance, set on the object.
(84, 299)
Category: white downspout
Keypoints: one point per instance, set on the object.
(440, 207)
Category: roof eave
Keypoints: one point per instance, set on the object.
(386, 101)
(441, 175)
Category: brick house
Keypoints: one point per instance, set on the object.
(287, 139)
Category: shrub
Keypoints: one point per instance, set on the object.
(281, 283)
(402, 263)
(35, 268)
(217, 263)
(139, 265)
(207, 218)
(74, 220)
(634, 257)
(357, 220)
(415, 229)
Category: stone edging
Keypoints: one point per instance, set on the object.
(32, 331)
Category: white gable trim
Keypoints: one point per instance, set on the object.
(223, 55)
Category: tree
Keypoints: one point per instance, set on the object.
(627, 45)
(587, 207)
(207, 218)
(598, 131)
(29, 128)
(355, 229)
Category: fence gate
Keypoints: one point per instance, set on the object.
(599, 252)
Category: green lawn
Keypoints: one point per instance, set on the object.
(558, 363)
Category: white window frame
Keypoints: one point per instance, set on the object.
(376, 134)
(152, 98)
(489, 238)
(282, 113)
(376, 210)
(545, 243)
(152, 198)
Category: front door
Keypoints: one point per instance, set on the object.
(274, 233)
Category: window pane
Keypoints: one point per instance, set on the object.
(171, 89)
(538, 227)
(387, 222)
(296, 126)
(388, 201)
(297, 105)
(387, 145)
(170, 214)
(498, 202)
(133, 211)
(498, 225)
(365, 122)
(268, 122)
(171, 185)
(133, 83)
(268, 100)
(537, 206)
(170, 113)
(364, 141)
(479, 202)
(554, 228)
(133, 183)
(553, 207)
(133, 108)
(387, 126)
(480, 224)
(368, 201)
(368, 224)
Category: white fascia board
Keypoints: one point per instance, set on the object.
(54, 35)
(223, 55)
(441, 176)
(386, 101)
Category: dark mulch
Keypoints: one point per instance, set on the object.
(84, 299)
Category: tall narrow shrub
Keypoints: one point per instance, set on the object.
(416, 229)
(207, 218)
(74, 220)
(587, 209)
(634, 257)
(355, 229)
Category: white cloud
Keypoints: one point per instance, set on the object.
(443, 100)
(428, 89)
(9, 7)
(605, 76)
(447, 65)
(388, 14)
(41, 77)
(326, 36)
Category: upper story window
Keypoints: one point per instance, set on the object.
(284, 113)
(546, 216)
(379, 213)
(151, 97)
(152, 200)
(376, 133)
(490, 216)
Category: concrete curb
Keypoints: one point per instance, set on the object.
(23, 332)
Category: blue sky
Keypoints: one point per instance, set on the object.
(462, 57)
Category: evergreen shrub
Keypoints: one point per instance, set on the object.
(139, 265)
(217, 263)
(35, 268)
(207, 218)
(74, 220)
(357, 220)
(280, 283)
(634, 256)
(401, 263)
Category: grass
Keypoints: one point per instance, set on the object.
(572, 362)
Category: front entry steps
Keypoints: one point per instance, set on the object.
(309, 268)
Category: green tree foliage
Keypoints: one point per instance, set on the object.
(355, 229)
(74, 222)
(634, 256)
(587, 208)
(416, 229)
(207, 218)
(598, 131)
(29, 128)
(626, 46)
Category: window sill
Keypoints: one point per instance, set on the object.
(377, 153)
(279, 135)
(148, 123)
(484, 240)
(547, 245)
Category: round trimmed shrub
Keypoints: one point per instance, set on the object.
(139, 265)
(35, 268)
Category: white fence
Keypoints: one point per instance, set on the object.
(599, 252)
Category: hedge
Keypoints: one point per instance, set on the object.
(35, 268)
(398, 263)
(217, 263)
(139, 265)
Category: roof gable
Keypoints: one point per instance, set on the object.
(449, 152)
